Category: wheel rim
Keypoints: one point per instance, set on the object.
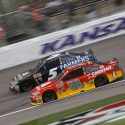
(26, 86)
(101, 81)
(49, 96)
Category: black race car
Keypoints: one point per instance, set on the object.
(47, 69)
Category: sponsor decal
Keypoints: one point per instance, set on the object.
(25, 74)
(19, 77)
(60, 87)
(78, 59)
(97, 116)
(94, 32)
(45, 84)
(75, 84)
(101, 71)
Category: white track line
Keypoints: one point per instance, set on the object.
(50, 102)
(17, 111)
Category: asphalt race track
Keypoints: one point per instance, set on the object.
(9, 102)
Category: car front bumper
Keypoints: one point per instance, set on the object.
(14, 87)
(36, 101)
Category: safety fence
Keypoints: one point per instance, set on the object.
(19, 25)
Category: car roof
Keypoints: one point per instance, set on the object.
(53, 56)
(57, 55)
(64, 54)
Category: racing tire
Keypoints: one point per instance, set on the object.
(101, 80)
(26, 86)
(48, 96)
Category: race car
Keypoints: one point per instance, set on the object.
(47, 69)
(75, 79)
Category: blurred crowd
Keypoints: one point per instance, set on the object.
(45, 19)
(41, 18)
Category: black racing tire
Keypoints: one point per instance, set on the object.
(26, 85)
(101, 80)
(48, 96)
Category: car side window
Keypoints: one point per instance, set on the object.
(74, 73)
(42, 68)
(91, 69)
(52, 63)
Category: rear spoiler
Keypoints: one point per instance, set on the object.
(113, 61)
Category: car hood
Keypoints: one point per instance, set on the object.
(23, 75)
(41, 86)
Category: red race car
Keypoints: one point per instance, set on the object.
(75, 79)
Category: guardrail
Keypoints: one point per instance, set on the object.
(62, 40)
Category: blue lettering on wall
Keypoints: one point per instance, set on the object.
(70, 40)
(121, 26)
(49, 46)
(97, 31)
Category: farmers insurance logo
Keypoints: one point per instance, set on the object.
(78, 59)
(95, 32)
(94, 117)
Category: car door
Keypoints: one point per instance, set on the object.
(52, 68)
(73, 81)
(39, 74)
(47, 71)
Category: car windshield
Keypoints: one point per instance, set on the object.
(36, 67)
(58, 76)
(67, 58)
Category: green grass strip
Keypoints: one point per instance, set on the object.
(58, 116)
(118, 122)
